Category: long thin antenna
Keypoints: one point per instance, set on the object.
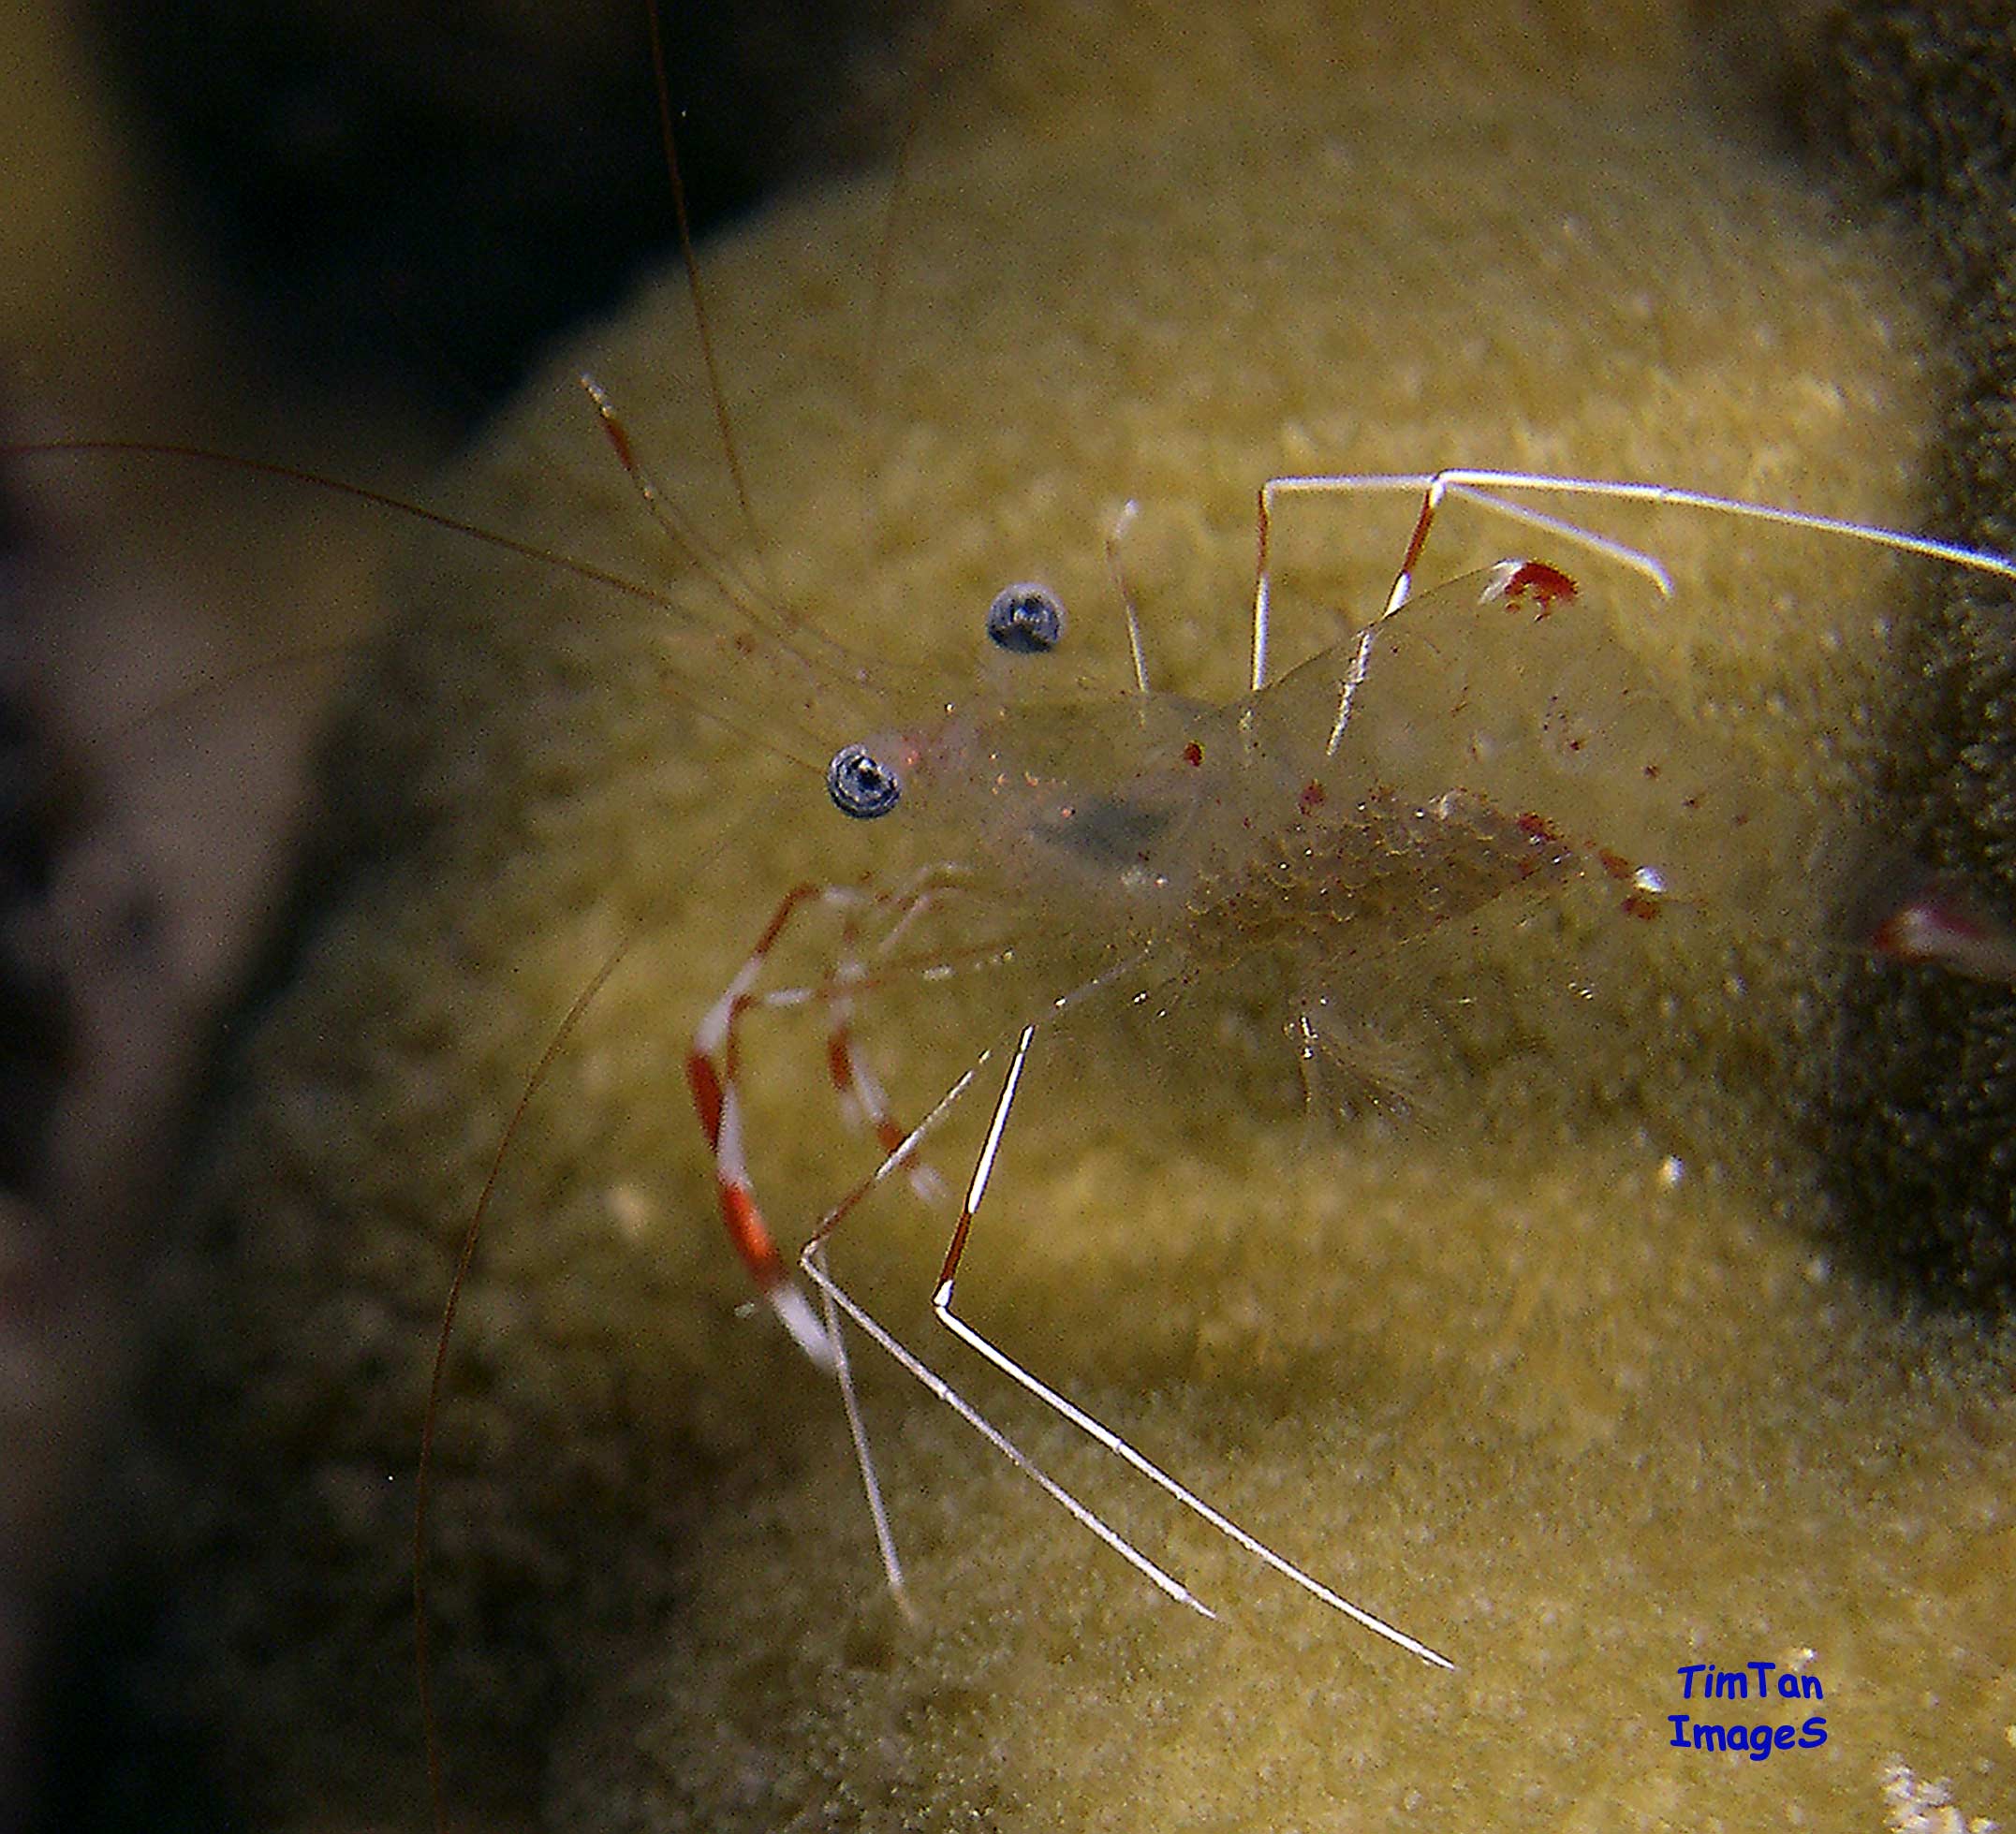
(422, 1491)
(941, 50)
(702, 325)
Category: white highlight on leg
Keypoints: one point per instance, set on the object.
(1354, 678)
(732, 1163)
(806, 1331)
(983, 1167)
(885, 1538)
(1114, 537)
(1101, 1434)
(942, 1304)
(813, 1262)
(1477, 485)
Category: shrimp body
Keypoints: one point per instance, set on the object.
(1162, 840)
(1184, 837)
(1439, 1373)
(1387, 788)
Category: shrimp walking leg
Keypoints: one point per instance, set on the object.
(862, 1099)
(1497, 490)
(812, 1260)
(711, 1066)
(1097, 1431)
(838, 1301)
(713, 1076)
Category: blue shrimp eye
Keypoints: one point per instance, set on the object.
(861, 785)
(1025, 620)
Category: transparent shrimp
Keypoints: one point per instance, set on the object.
(1389, 790)
(1487, 749)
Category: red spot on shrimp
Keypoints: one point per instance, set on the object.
(1614, 864)
(1640, 906)
(1193, 754)
(1311, 798)
(1546, 584)
(746, 1231)
(620, 439)
(707, 1095)
(1538, 827)
(1942, 927)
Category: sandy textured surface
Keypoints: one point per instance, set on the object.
(1563, 1373)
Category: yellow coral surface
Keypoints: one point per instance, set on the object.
(1554, 1368)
